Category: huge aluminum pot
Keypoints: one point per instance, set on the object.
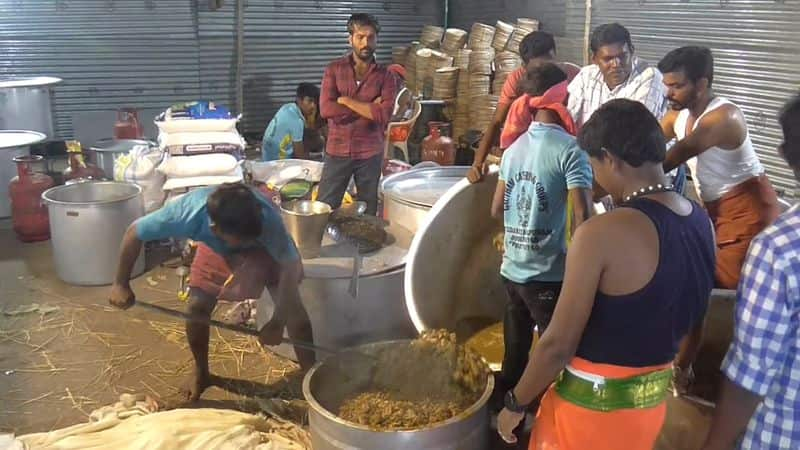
(13, 143)
(87, 222)
(25, 104)
(409, 196)
(453, 268)
(327, 385)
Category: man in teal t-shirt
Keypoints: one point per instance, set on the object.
(243, 247)
(540, 174)
(283, 137)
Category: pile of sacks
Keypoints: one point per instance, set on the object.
(201, 147)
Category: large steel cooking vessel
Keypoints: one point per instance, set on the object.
(87, 222)
(378, 313)
(408, 196)
(13, 143)
(326, 385)
(453, 269)
(25, 104)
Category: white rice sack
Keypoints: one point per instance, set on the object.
(153, 191)
(140, 163)
(277, 173)
(181, 139)
(198, 165)
(196, 125)
(234, 176)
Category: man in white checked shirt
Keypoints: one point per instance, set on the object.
(615, 73)
(759, 407)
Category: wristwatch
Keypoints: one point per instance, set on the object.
(510, 402)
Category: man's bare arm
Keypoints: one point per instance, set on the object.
(724, 127)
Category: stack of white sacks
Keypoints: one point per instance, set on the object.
(199, 152)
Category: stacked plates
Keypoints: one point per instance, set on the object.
(399, 54)
(428, 61)
(480, 61)
(424, 56)
(504, 64)
(461, 115)
(498, 82)
(528, 24)
(411, 67)
(479, 85)
(507, 62)
(482, 111)
(481, 36)
(501, 35)
(440, 60)
(461, 59)
(454, 40)
(445, 82)
(431, 36)
(524, 27)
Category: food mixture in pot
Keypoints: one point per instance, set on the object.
(427, 381)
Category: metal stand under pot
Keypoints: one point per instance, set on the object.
(340, 319)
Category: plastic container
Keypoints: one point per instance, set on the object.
(437, 146)
(28, 212)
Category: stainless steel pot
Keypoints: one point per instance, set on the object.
(339, 320)
(408, 196)
(305, 221)
(326, 385)
(106, 151)
(13, 143)
(87, 222)
(25, 104)
(456, 241)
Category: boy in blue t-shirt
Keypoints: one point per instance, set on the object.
(540, 174)
(283, 138)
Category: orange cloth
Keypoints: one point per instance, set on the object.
(738, 217)
(523, 110)
(561, 425)
(251, 269)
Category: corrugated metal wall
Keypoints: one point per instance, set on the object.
(109, 53)
(151, 53)
(755, 48)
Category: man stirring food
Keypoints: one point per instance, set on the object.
(240, 235)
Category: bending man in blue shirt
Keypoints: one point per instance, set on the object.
(243, 247)
(283, 138)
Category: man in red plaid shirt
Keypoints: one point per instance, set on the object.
(357, 99)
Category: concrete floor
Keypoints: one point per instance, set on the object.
(56, 368)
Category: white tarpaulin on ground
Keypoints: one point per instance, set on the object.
(135, 428)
